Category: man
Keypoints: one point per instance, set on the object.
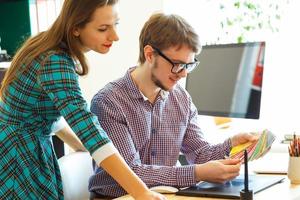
(151, 119)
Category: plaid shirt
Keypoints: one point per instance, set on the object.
(47, 89)
(151, 136)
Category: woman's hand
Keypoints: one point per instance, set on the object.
(150, 195)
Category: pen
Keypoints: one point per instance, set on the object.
(298, 146)
(290, 151)
(294, 147)
(298, 141)
(246, 170)
(246, 194)
(295, 143)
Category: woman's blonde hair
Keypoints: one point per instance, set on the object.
(74, 14)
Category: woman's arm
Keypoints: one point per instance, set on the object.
(115, 166)
(69, 137)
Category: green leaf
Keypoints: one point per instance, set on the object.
(240, 39)
(250, 6)
(237, 4)
(229, 22)
(247, 28)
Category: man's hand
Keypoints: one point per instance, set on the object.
(218, 171)
(242, 138)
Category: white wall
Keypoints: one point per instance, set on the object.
(281, 96)
(124, 53)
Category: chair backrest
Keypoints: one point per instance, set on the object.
(76, 168)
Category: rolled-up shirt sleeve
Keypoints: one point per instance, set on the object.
(195, 147)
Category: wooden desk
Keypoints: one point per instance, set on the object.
(283, 190)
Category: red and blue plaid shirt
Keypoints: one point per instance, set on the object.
(151, 136)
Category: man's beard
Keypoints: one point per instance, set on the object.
(157, 82)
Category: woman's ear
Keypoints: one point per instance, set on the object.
(76, 32)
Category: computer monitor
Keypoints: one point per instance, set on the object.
(228, 80)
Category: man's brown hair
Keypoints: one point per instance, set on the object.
(163, 31)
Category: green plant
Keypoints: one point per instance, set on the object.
(241, 18)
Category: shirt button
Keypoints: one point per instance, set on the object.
(153, 131)
(153, 153)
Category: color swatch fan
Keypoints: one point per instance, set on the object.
(255, 149)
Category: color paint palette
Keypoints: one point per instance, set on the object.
(255, 149)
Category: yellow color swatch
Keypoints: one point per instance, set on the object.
(239, 148)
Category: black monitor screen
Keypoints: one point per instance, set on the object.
(228, 81)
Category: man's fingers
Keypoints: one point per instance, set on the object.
(230, 161)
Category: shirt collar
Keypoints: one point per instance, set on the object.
(162, 93)
(135, 92)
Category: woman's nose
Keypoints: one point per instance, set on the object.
(113, 35)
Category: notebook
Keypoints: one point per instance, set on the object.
(272, 163)
(231, 189)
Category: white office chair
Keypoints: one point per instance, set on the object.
(76, 168)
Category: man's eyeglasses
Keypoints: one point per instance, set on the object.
(179, 67)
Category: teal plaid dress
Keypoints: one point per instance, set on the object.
(47, 90)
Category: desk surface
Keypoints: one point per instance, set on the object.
(283, 190)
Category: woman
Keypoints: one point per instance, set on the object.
(40, 86)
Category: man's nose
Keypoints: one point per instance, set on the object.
(183, 73)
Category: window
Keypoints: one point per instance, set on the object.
(280, 106)
(43, 13)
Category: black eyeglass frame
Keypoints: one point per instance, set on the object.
(189, 67)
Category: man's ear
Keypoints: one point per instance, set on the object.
(148, 53)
